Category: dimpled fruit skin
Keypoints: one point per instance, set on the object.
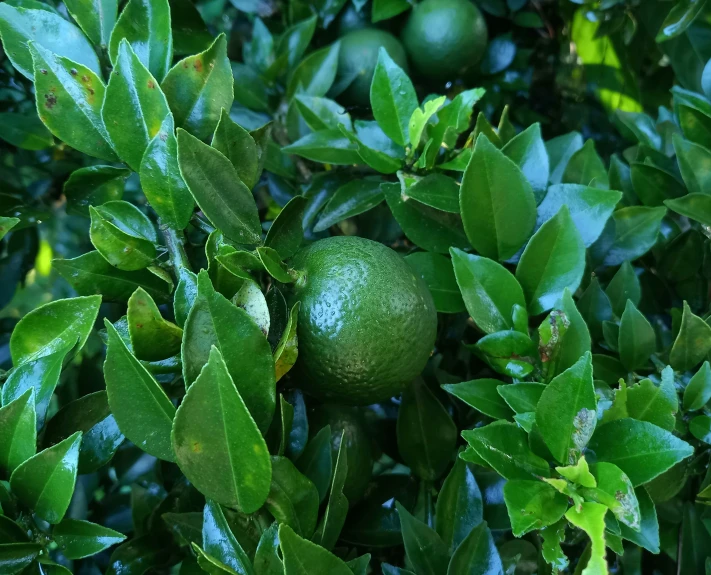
(358, 56)
(445, 38)
(367, 323)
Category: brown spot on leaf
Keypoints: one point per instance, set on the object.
(50, 100)
(139, 325)
(91, 91)
(85, 78)
(197, 65)
(197, 448)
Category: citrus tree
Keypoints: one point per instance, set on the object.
(294, 338)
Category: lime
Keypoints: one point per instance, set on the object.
(367, 323)
(357, 58)
(445, 39)
(347, 422)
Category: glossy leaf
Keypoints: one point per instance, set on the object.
(553, 260)
(595, 307)
(227, 463)
(217, 189)
(477, 554)
(647, 451)
(392, 98)
(692, 343)
(566, 412)
(533, 505)
(301, 557)
(522, 397)
(19, 26)
(326, 146)
(145, 24)
(438, 274)
(152, 337)
(424, 547)
(315, 74)
(199, 87)
(69, 98)
(238, 146)
(459, 505)
(293, 499)
(427, 454)
(53, 327)
(488, 289)
(287, 350)
(214, 321)
(482, 395)
(142, 409)
(97, 18)
(698, 390)
(623, 286)
(123, 249)
(585, 167)
(334, 518)
(497, 203)
(266, 559)
(93, 186)
(657, 404)
(78, 539)
(219, 541)
(14, 557)
(437, 191)
(637, 340)
(351, 199)
(134, 107)
(508, 352)
(696, 207)
(635, 232)
(322, 113)
(315, 461)
(45, 482)
(560, 150)
(528, 152)
(18, 431)
(694, 163)
(648, 534)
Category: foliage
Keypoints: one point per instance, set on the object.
(164, 163)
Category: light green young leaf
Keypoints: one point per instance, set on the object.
(591, 519)
(420, 117)
(532, 505)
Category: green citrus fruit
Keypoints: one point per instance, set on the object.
(445, 39)
(347, 422)
(357, 58)
(366, 324)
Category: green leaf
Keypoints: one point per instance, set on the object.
(301, 557)
(14, 557)
(267, 560)
(553, 260)
(126, 250)
(274, 266)
(654, 185)
(21, 26)
(217, 189)
(315, 461)
(551, 550)
(325, 146)
(504, 446)
(374, 148)
(42, 375)
(453, 119)
(92, 274)
(420, 116)
(656, 404)
(424, 547)
(227, 463)
(482, 395)
(696, 207)
(437, 191)
(393, 98)
(386, 9)
(637, 340)
(351, 199)
(585, 168)
(635, 232)
(497, 203)
(91, 415)
(522, 397)
(152, 337)
(695, 164)
(142, 409)
(239, 147)
(25, 131)
(488, 289)
(576, 339)
(53, 327)
(698, 390)
(199, 87)
(641, 126)
(566, 412)
(45, 482)
(293, 498)
(647, 451)
(427, 454)
(6, 224)
(96, 17)
(648, 534)
(18, 431)
(334, 518)
(93, 186)
(528, 151)
(477, 554)
(78, 539)
(508, 352)
(322, 113)
(438, 274)
(700, 428)
(532, 505)
(594, 306)
(590, 208)
(209, 564)
(590, 517)
(145, 24)
(614, 489)
(315, 74)
(69, 98)
(623, 286)
(214, 321)
(692, 343)
(286, 233)
(219, 541)
(679, 19)
(560, 150)
(287, 350)
(459, 505)
(134, 107)
(432, 230)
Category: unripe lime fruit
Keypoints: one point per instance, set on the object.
(366, 325)
(445, 39)
(357, 58)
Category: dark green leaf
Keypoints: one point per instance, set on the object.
(497, 203)
(152, 337)
(477, 554)
(25, 131)
(700, 428)
(482, 395)
(322, 113)
(266, 559)
(239, 147)
(293, 499)
(692, 343)
(18, 431)
(424, 547)
(334, 518)
(301, 557)
(637, 340)
(622, 287)
(657, 404)
(315, 74)
(635, 232)
(508, 352)
(585, 167)
(595, 308)
(654, 185)
(528, 152)
(437, 191)
(438, 274)
(459, 505)
(350, 200)
(125, 250)
(698, 390)
(93, 186)
(614, 489)
(287, 231)
(560, 150)
(78, 539)
(694, 206)
(14, 557)
(315, 461)
(679, 19)
(648, 534)
(392, 98)
(695, 165)
(522, 397)
(96, 17)
(219, 541)
(326, 146)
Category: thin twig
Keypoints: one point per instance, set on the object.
(178, 257)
